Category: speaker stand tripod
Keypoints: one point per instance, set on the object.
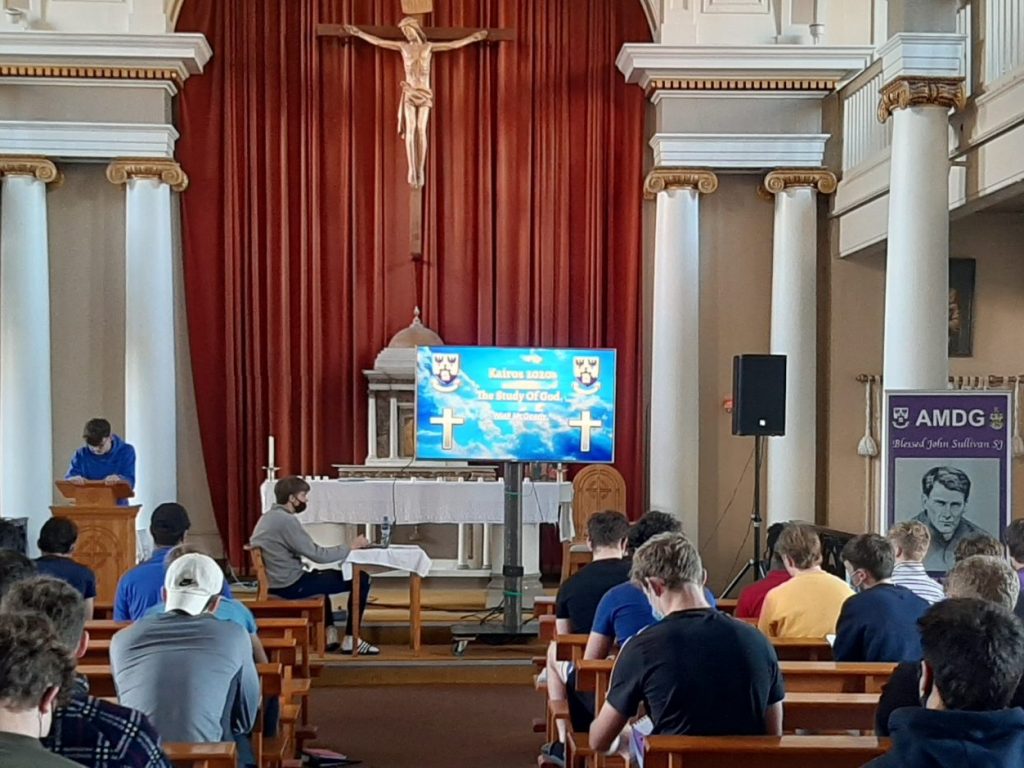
(756, 563)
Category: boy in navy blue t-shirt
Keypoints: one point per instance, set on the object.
(57, 541)
(879, 623)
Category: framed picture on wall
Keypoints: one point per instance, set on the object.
(961, 307)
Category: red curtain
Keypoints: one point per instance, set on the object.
(296, 222)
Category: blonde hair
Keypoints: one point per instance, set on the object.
(800, 543)
(912, 537)
(669, 557)
(986, 578)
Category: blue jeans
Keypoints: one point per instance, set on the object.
(327, 583)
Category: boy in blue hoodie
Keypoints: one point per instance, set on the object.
(103, 457)
(973, 662)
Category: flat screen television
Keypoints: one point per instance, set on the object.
(515, 404)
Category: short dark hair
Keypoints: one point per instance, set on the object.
(976, 652)
(606, 529)
(287, 487)
(14, 567)
(58, 535)
(96, 430)
(872, 553)
(12, 536)
(977, 544)
(1014, 538)
(169, 524)
(800, 543)
(651, 524)
(950, 477)
(55, 599)
(32, 660)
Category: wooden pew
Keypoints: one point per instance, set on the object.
(220, 755)
(834, 676)
(802, 648)
(104, 629)
(101, 610)
(311, 609)
(727, 605)
(544, 605)
(829, 712)
(762, 751)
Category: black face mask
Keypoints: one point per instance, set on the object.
(299, 507)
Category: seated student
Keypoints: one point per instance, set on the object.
(14, 567)
(34, 668)
(982, 577)
(973, 662)
(90, 731)
(807, 605)
(910, 541)
(191, 674)
(697, 671)
(139, 589)
(622, 612)
(1014, 538)
(977, 544)
(879, 623)
(751, 598)
(228, 609)
(284, 542)
(578, 597)
(57, 541)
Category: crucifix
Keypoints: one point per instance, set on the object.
(417, 46)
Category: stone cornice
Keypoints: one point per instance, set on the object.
(165, 171)
(37, 167)
(85, 140)
(664, 179)
(794, 68)
(737, 151)
(782, 178)
(40, 54)
(921, 91)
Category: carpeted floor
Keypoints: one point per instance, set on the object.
(410, 726)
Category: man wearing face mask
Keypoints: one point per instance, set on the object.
(973, 660)
(284, 542)
(104, 456)
(698, 672)
(879, 623)
(34, 668)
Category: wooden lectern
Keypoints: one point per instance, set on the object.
(106, 531)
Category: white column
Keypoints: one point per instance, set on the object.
(26, 417)
(792, 457)
(917, 263)
(150, 400)
(371, 427)
(674, 439)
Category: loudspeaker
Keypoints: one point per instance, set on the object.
(759, 395)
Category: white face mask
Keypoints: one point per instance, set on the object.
(653, 602)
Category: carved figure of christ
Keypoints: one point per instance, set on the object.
(417, 93)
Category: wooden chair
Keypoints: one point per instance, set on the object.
(263, 588)
(220, 755)
(762, 751)
(597, 488)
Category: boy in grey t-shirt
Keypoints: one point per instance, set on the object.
(192, 675)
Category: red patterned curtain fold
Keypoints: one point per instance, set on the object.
(296, 223)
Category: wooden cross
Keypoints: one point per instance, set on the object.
(417, 45)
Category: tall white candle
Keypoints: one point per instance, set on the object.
(270, 450)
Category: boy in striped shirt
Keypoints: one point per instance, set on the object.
(910, 541)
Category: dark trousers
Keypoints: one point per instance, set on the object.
(328, 583)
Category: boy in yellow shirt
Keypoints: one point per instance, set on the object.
(808, 604)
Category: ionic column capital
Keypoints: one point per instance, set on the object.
(821, 179)
(664, 179)
(165, 171)
(37, 167)
(912, 91)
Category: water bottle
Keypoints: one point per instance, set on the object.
(385, 532)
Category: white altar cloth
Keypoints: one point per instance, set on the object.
(397, 557)
(416, 501)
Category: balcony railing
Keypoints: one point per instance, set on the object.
(864, 137)
(1003, 43)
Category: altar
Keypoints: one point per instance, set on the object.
(475, 507)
